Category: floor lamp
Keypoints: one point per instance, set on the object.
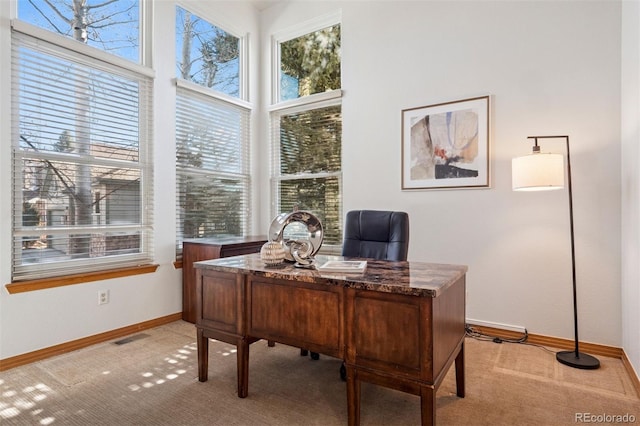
(545, 171)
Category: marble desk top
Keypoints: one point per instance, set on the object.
(411, 278)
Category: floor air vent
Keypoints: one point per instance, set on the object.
(130, 339)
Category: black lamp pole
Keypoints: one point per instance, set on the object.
(573, 358)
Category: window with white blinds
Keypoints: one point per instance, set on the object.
(212, 165)
(306, 126)
(212, 131)
(82, 172)
(307, 164)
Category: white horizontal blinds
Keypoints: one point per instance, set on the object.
(82, 177)
(212, 165)
(307, 160)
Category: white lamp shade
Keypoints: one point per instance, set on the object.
(537, 172)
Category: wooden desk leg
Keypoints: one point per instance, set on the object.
(203, 356)
(353, 398)
(428, 405)
(460, 372)
(243, 367)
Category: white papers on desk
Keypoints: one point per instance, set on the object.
(344, 266)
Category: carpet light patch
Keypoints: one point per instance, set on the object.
(24, 404)
(8, 413)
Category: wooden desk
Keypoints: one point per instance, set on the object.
(399, 325)
(197, 249)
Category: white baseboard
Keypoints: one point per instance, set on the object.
(516, 328)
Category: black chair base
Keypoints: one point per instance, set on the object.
(314, 355)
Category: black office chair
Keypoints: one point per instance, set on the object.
(374, 234)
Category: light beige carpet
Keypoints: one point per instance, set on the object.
(152, 380)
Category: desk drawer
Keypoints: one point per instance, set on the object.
(297, 314)
(390, 333)
(220, 301)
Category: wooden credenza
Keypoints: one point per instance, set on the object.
(398, 325)
(197, 249)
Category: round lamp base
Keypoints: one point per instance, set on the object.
(583, 361)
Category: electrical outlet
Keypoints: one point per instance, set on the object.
(103, 297)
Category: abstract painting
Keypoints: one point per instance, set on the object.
(446, 145)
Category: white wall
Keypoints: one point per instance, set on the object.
(631, 181)
(550, 68)
(40, 319)
(5, 167)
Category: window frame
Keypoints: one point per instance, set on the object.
(243, 43)
(241, 102)
(279, 108)
(145, 16)
(192, 89)
(93, 58)
(291, 33)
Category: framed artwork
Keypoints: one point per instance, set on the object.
(446, 145)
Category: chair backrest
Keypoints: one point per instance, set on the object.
(376, 234)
